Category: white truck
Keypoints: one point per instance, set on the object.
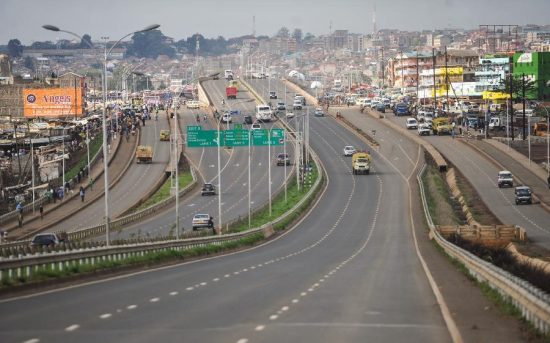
(229, 74)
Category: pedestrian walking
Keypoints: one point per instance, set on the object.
(78, 177)
(91, 183)
(41, 212)
(67, 187)
(19, 209)
(204, 117)
(82, 193)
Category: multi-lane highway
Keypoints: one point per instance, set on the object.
(348, 272)
(136, 181)
(482, 174)
(234, 167)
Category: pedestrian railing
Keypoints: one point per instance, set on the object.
(533, 303)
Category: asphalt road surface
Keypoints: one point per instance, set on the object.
(347, 273)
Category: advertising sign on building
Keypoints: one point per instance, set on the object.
(52, 102)
(525, 58)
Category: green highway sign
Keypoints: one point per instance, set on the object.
(199, 138)
(235, 138)
(260, 137)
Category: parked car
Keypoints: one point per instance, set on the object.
(411, 123)
(46, 239)
(349, 150)
(283, 159)
(505, 178)
(297, 105)
(208, 189)
(272, 95)
(523, 195)
(319, 112)
(201, 221)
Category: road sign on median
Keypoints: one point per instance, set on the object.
(199, 138)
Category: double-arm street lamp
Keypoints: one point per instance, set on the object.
(104, 116)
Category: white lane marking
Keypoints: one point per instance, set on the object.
(191, 205)
(154, 300)
(190, 288)
(242, 340)
(32, 340)
(260, 328)
(212, 166)
(273, 317)
(216, 280)
(303, 294)
(226, 275)
(173, 293)
(131, 307)
(295, 301)
(284, 308)
(105, 316)
(203, 283)
(72, 327)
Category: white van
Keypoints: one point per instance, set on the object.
(263, 112)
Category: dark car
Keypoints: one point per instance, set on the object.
(248, 119)
(523, 195)
(381, 108)
(283, 159)
(46, 239)
(272, 95)
(208, 189)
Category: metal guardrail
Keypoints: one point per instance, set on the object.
(115, 224)
(26, 266)
(533, 303)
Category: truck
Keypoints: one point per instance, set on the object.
(401, 109)
(231, 92)
(144, 154)
(263, 113)
(360, 163)
(441, 125)
(498, 122)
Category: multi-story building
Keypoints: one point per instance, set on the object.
(6, 77)
(534, 66)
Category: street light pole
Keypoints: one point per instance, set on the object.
(176, 157)
(64, 195)
(249, 188)
(104, 119)
(219, 179)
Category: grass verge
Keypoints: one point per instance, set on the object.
(185, 178)
(44, 274)
(278, 207)
(95, 145)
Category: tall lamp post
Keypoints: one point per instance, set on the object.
(104, 116)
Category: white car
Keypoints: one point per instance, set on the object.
(411, 123)
(424, 129)
(349, 150)
(202, 221)
(193, 104)
(289, 115)
(226, 118)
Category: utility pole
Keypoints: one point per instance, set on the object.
(417, 77)
(523, 101)
(382, 63)
(512, 102)
(433, 69)
(447, 82)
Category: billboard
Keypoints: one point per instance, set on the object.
(52, 102)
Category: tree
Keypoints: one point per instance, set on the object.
(15, 49)
(150, 44)
(308, 37)
(518, 86)
(86, 42)
(283, 32)
(297, 34)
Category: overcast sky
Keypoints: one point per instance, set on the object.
(179, 19)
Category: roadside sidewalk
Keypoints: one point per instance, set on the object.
(121, 151)
(509, 159)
